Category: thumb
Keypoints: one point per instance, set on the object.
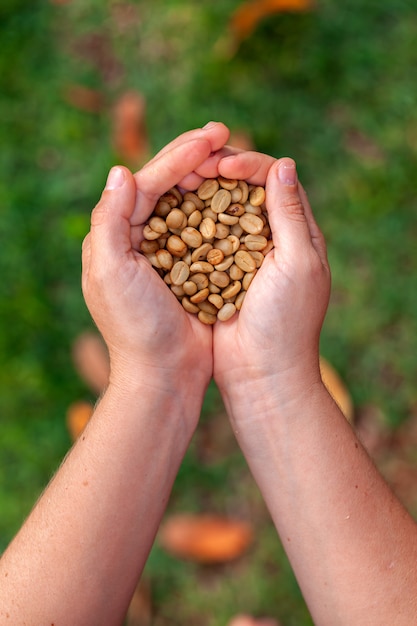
(110, 219)
(286, 211)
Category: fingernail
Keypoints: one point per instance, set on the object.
(116, 178)
(287, 173)
(209, 125)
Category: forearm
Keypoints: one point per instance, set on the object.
(352, 545)
(78, 557)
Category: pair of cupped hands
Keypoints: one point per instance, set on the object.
(276, 334)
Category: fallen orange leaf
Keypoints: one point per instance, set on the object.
(241, 139)
(246, 18)
(130, 137)
(248, 620)
(205, 538)
(84, 98)
(337, 389)
(78, 415)
(91, 360)
(140, 608)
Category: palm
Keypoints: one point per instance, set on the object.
(243, 342)
(153, 318)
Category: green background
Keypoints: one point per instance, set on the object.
(336, 89)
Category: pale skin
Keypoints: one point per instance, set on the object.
(79, 555)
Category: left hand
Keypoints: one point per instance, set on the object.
(147, 331)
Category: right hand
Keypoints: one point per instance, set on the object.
(271, 348)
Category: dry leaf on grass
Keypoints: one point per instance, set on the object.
(91, 360)
(247, 620)
(130, 137)
(248, 15)
(84, 98)
(241, 139)
(206, 539)
(140, 608)
(337, 389)
(374, 431)
(78, 415)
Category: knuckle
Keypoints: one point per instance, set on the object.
(293, 208)
(100, 213)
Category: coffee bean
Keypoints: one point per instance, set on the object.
(208, 245)
(226, 312)
(245, 261)
(221, 201)
(207, 318)
(251, 224)
(179, 273)
(192, 237)
(208, 188)
(257, 196)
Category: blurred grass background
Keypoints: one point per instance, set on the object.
(335, 87)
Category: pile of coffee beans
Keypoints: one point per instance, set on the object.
(208, 245)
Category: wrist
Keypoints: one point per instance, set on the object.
(174, 400)
(250, 397)
(267, 425)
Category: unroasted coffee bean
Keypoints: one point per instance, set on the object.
(208, 307)
(190, 288)
(165, 259)
(215, 256)
(179, 273)
(195, 219)
(232, 290)
(235, 209)
(162, 208)
(225, 245)
(191, 237)
(207, 318)
(149, 246)
(247, 279)
(219, 278)
(245, 261)
(158, 225)
(150, 234)
(201, 253)
(216, 299)
(176, 219)
(226, 312)
(229, 220)
(251, 224)
(208, 228)
(239, 300)
(258, 256)
(227, 183)
(235, 272)
(202, 267)
(189, 306)
(176, 246)
(225, 264)
(221, 201)
(208, 188)
(257, 196)
(200, 296)
(200, 280)
(255, 242)
(209, 244)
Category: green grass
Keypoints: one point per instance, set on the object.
(335, 89)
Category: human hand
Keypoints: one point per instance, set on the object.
(147, 332)
(270, 350)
